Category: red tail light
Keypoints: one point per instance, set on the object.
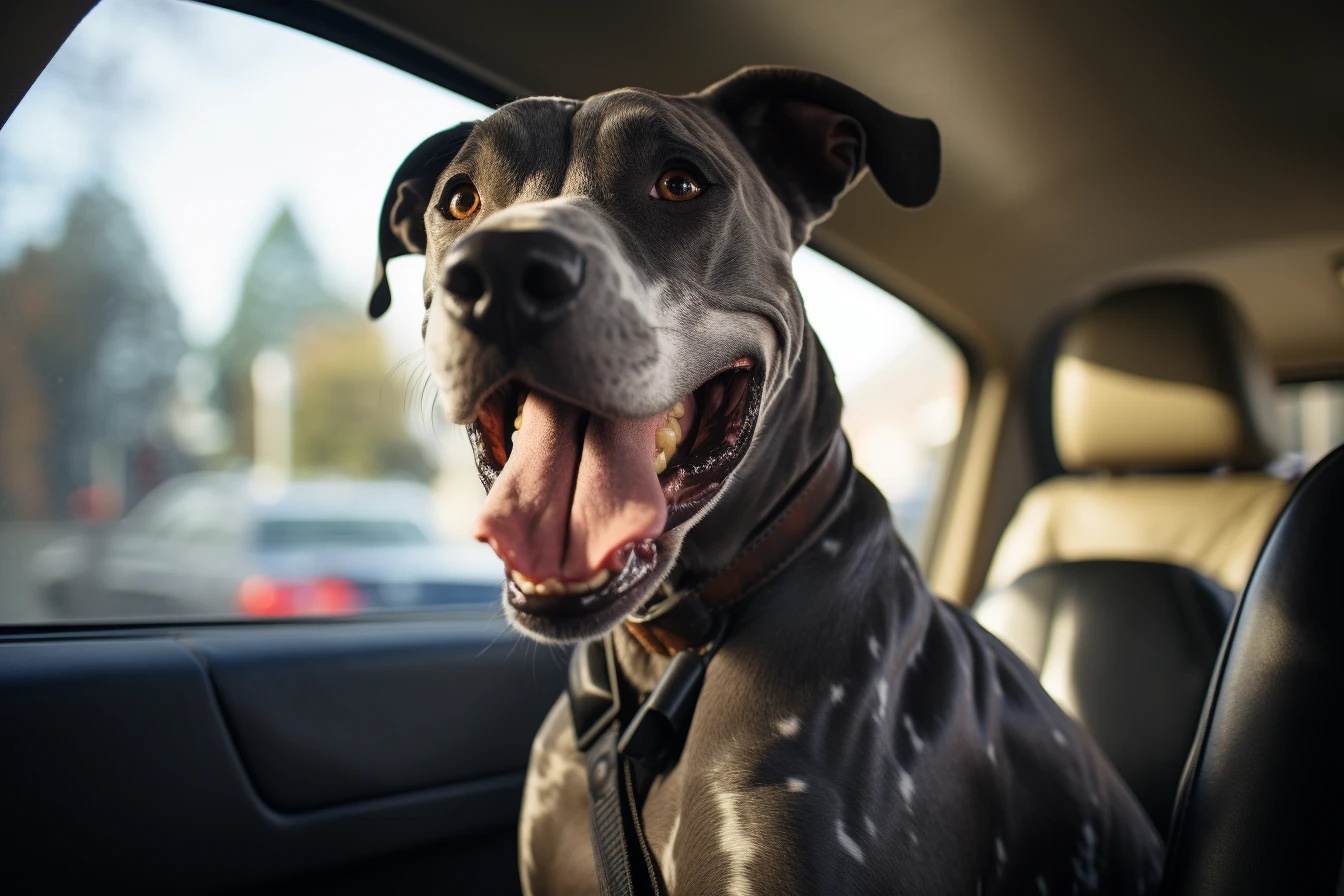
(261, 596)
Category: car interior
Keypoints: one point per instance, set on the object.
(1135, 263)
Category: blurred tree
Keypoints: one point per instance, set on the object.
(282, 294)
(344, 419)
(91, 345)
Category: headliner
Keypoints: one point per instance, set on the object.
(1083, 146)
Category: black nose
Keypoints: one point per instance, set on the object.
(511, 283)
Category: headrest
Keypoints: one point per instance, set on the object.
(1162, 377)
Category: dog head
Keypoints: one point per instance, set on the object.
(611, 310)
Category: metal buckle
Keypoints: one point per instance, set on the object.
(671, 598)
(655, 735)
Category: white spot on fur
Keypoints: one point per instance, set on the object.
(788, 727)
(830, 546)
(736, 845)
(837, 693)
(914, 838)
(882, 687)
(1059, 737)
(795, 785)
(847, 842)
(1000, 852)
(869, 826)
(989, 751)
(1085, 863)
(668, 863)
(1040, 885)
(909, 569)
(874, 647)
(915, 740)
(907, 787)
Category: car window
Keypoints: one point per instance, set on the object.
(904, 384)
(278, 535)
(187, 206)
(1312, 418)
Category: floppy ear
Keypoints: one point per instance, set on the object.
(813, 137)
(401, 229)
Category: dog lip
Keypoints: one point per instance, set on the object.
(641, 562)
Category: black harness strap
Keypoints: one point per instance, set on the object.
(611, 846)
(625, 747)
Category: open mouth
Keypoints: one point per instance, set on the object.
(578, 502)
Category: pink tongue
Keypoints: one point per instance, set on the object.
(544, 521)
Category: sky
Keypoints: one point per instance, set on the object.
(209, 121)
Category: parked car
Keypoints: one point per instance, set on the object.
(225, 543)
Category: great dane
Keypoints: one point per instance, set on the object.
(610, 309)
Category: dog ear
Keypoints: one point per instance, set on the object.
(401, 229)
(813, 137)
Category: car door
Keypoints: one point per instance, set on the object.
(189, 197)
(188, 190)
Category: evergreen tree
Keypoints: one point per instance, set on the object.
(344, 421)
(282, 294)
(92, 340)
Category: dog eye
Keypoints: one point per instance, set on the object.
(677, 185)
(464, 202)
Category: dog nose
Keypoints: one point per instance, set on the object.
(502, 283)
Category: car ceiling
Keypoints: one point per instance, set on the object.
(1083, 147)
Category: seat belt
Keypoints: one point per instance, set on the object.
(625, 746)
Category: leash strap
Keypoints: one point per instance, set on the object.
(624, 752)
(618, 836)
(616, 782)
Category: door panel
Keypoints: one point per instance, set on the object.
(327, 717)
(225, 757)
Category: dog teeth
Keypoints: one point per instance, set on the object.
(553, 586)
(597, 581)
(518, 419)
(667, 437)
(666, 441)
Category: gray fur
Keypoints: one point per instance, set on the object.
(854, 734)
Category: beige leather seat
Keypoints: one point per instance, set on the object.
(1115, 582)
(1164, 417)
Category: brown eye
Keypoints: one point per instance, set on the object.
(678, 186)
(464, 202)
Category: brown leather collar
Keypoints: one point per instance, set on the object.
(684, 618)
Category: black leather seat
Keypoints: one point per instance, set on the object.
(1115, 581)
(1261, 807)
(1126, 647)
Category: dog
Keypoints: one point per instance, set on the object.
(610, 309)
